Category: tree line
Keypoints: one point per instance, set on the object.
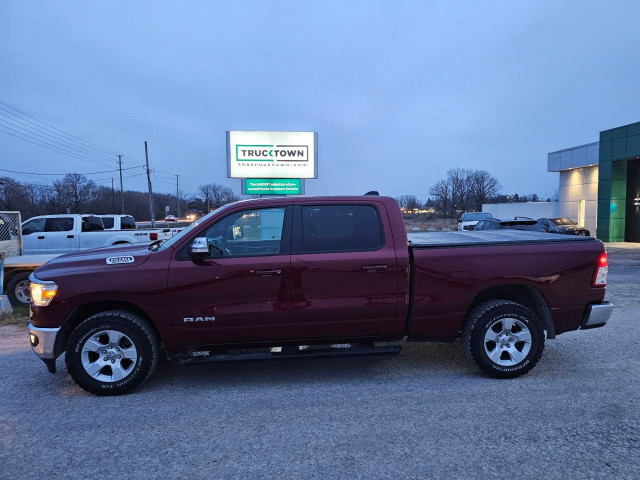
(463, 190)
(75, 193)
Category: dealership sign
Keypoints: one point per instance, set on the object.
(280, 155)
(272, 186)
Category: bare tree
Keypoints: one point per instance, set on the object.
(482, 187)
(464, 190)
(441, 193)
(74, 191)
(410, 202)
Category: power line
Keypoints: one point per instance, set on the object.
(39, 132)
(57, 129)
(59, 174)
(22, 136)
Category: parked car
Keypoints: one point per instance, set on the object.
(468, 220)
(518, 223)
(170, 218)
(68, 233)
(282, 277)
(563, 225)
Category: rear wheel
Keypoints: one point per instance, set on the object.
(505, 339)
(18, 289)
(112, 352)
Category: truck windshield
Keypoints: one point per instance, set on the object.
(473, 216)
(563, 221)
(168, 243)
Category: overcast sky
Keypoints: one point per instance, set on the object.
(398, 91)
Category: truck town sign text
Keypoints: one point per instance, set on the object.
(270, 153)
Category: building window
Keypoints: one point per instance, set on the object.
(582, 208)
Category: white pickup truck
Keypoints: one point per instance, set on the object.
(56, 234)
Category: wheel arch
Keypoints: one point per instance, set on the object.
(81, 313)
(525, 295)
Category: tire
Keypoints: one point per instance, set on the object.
(112, 352)
(505, 339)
(18, 289)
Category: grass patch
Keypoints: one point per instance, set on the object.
(20, 316)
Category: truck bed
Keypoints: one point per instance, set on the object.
(488, 237)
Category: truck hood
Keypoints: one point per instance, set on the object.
(94, 259)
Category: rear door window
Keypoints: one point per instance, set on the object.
(108, 222)
(127, 222)
(64, 224)
(92, 224)
(340, 228)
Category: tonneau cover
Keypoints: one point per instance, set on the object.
(487, 237)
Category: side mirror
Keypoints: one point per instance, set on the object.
(199, 247)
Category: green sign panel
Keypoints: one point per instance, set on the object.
(272, 186)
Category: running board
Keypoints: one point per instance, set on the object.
(343, 350)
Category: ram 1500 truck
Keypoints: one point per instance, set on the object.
(286, 277)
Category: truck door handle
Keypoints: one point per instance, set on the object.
(268, 273)
(69, 236)
(375, 268)
(40, 237)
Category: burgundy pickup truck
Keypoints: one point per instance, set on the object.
(308, 277)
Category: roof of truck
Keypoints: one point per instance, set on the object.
(488, 237)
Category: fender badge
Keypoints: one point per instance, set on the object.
(117, 260)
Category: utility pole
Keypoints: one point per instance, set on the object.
(121, 192)
(113, 197)
(146, 156)
(178, 194)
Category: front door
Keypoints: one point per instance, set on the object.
(240, 293)
(344, 272)
(34, 240)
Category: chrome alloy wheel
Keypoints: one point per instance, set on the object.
(507, 342)
(22, 291)
(109, 356)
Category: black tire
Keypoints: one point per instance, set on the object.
(135, 328)
(486, 315)
(13, 284)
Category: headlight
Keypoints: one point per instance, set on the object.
(42, 293)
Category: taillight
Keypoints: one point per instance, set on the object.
(602, 269)
(153, 236)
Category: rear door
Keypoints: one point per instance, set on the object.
(344, 272)
(61, 236)
(241, 292)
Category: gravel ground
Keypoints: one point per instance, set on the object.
(425, 413)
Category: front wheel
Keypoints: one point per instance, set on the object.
(112, 352)
(505, 339)
(18, 289)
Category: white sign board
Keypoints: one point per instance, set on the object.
(252, 154)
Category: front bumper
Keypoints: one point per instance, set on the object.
(43, 342)
(597, 315)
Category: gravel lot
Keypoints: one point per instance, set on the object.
(425, 413)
